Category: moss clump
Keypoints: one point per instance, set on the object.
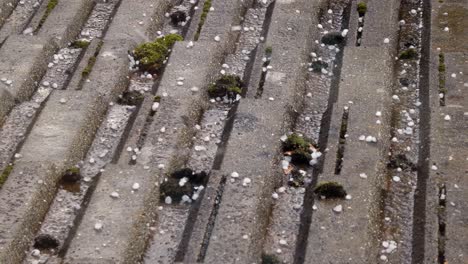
(295, 142)
(297, 178)
(178, 17)
(45, 241)
(301, 156)
(330, 190)
(130, 98)
(151, 55)
(80, 44)
(5, 174)
(157, 98)
(270, 259)
(206, 9)
(50, 6)
(408, 54)
(361, 8)
(318, 65)
(172, 188)
(87, 70)
(268, 50)
(402, 162)
(229, 85)
(442, 88)
(299, 148)
(72, 175)
(333, 38)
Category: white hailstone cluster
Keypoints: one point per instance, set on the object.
(369, 139)
(6, 81)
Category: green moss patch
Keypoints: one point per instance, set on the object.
(361, 8)
(89, 67)
(227, 85)
(151, 55)
(50, 6)
(206, 9)
(5, 174)
(80, 44)
(270, 259)
(409, 54)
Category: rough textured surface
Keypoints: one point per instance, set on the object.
(89, 111)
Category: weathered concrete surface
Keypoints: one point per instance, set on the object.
(204, 218)
(6, 7)
(65, 21)
(7, 101)
(449, 151)
(23, 61)
(258, 125)
(109, 76)
(58, 140)
(125, 220)
(127, 244)
(380, 22)
(350, 236)
(219, 22)
(78, 78)
(448, 142)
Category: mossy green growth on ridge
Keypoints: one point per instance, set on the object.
(151, 55)
(5, 174)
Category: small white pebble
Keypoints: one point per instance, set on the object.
(115, 195)
(338, 208)
(246, 181)
(98, 226)
(136, 186)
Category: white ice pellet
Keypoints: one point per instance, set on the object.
(98, 226)
(246, 181)
(338, 208)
